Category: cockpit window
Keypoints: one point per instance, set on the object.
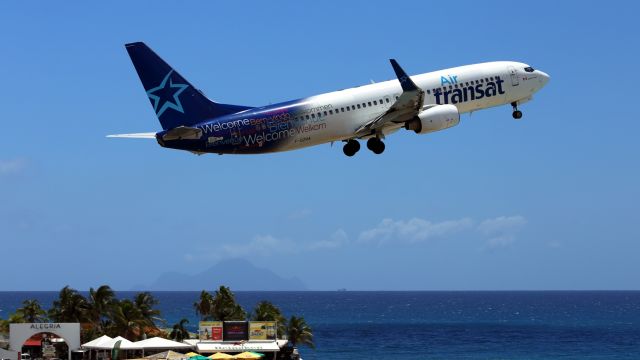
(529, 69)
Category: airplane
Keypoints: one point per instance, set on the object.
(422, 103)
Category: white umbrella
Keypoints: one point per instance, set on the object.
(124, 345)
(95, 343)
(160, 343)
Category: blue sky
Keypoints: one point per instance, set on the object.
(547, 202)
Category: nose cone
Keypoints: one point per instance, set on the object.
(544, 77)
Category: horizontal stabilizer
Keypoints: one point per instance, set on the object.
(183, 132)
(149, 135)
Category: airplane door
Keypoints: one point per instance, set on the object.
(514, 76)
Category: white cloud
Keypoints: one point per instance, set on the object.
(413, 230)
(12, 166)
(267, 245)
(336, 240)
(502, 230)
(498, 232)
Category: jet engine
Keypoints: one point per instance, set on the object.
(435, 118)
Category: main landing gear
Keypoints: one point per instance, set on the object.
(376, 145)
(351, 147)
(517, 114)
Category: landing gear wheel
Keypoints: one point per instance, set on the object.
(376, 145)
(517, 114)
(351, 147)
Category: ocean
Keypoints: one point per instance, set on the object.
(438, 324)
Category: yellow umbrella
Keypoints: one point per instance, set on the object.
(221, 356)
(191, 354)
(247, 355)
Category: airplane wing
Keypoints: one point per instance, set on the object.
(406, 107)
(149, 135)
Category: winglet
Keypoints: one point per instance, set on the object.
(405, 81)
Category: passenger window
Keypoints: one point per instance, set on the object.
(319, 114)
(380, 101)
(428, 91)
(342, 109)
(353, 107)
(364, 105)
(397, 97)
(313, 116)
(358, 106)
(375, 102)
(369, 103)
(325, 113)
(307, 116)
(387, 99)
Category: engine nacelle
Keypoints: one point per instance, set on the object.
(433, 119)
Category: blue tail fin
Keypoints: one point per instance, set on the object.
(175, 101)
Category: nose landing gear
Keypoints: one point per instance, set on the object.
(517, 114)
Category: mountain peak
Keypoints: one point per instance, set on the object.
(238, 274)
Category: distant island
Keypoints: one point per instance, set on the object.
(239, 274)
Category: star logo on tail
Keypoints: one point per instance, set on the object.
(167, 95)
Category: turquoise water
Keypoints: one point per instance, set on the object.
(439, 325)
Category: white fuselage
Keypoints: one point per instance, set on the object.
(339, 113)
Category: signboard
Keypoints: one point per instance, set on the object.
(235, 331)
(262, 330)
(210, 330)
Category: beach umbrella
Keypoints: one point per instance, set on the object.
(199, 357)
(221, 355)
(166, 355)
(247, 355)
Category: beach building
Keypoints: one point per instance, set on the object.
(238, 337)
(216, 339)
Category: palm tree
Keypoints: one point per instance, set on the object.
(204, 305)
(145, 302)
(70, 306)
(299, 332)
(179, 331)
(266, 311)
(31, 311)
(99, 306)
(127, 320)
(225, 307)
